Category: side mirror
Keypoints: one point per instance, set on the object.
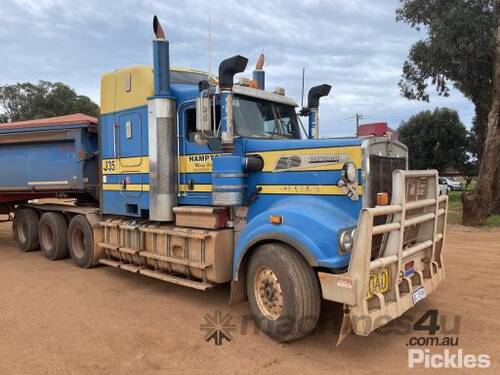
(203, 115)
(203, 108)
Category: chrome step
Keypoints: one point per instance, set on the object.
(183, 262)
(109, 262)
(200, 285)
(130, 268)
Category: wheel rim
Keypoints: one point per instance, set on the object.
(47, 237)
(78, 242)
(268, 293)
(22, 230)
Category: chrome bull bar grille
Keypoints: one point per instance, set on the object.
(414, 234)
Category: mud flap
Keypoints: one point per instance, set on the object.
(346, 327)
(238, 292)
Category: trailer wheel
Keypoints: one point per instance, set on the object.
(25, 228)
(53, 234)
(283, 292)
(81, 242)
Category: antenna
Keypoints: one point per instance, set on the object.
(358, 117)
(209, 44)
(303, 82)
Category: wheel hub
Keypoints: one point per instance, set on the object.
(268, 293)
(22, 231)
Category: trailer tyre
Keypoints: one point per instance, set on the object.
(53, 234)
(25, 228)
(81, 242)
(283, 292)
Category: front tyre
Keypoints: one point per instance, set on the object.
(283, 292)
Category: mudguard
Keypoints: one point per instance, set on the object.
(309, 225)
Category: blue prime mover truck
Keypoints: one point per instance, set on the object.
(200, 181)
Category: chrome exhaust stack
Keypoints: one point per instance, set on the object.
(161, 134)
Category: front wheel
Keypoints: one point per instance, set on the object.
(283, 292)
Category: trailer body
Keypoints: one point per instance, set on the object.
(49, 157)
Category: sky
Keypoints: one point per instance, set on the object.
(355, 45)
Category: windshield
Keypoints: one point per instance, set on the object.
(257, 118)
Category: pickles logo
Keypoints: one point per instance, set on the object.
(218, 327)
(440, 348)
(447, 359)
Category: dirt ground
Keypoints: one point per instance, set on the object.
(56, 318)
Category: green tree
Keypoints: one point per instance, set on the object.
(485, 199)
(27, 101)
(458, 50)
(437, 140)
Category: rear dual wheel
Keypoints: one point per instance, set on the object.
(55, 237)
(81, 242)
(25, 228)
(53, 234)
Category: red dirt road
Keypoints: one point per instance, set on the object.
(56, 319)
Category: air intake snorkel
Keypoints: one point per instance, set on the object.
(227, 69)
(315, 93)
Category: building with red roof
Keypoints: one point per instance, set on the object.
(377, 129)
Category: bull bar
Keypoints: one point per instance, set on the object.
(413, 232)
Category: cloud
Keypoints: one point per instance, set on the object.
(354, 45)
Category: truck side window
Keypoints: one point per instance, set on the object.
(190, 121)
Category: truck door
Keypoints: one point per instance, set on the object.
(195, 162)
(131, 151)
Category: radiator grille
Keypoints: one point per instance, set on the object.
(381, 168)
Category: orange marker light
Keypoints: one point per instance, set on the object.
(253, 84)
(275, 219)
(382, 199)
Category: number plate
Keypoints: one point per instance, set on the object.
(418, 294)
(378, 282)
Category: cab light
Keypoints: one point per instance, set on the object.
(276, 219)
(382, 199)
(244, 81)
(279, 91)
(253, 84)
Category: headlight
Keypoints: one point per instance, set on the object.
(346, 240)
(350, 172)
